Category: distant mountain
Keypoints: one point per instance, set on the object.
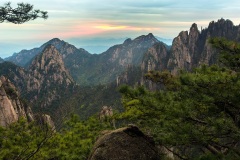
(96, 45)
(165, 40)
(105, 67)
(24, 57)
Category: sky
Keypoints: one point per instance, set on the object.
(97, 24)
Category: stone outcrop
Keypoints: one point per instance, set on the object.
(11, 107)
(124, 144)
(45, 120)
(105, 112)
(191, 49)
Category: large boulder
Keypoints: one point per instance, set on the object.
(127, 143)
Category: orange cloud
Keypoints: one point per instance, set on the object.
(115, 27)
(110, 27)
(89, 29)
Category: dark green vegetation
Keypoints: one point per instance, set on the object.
(91, 100)
(73, 140)
(23, 13)
(196, 115)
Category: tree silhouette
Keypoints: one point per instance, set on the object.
(22, 13)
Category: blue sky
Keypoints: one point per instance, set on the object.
(97, 23)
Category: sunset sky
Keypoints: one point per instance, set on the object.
(89, 23)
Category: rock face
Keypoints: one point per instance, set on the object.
(11, 107)
(155, 58)
(47, 75)
(43, 120)
(48, 67)
(124, 144)
(44, 81)
(192, 49)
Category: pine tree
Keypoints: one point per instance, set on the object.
(22, 13)
(196, 113)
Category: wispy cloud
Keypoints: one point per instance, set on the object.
(118, 18)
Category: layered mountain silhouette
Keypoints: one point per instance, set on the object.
(46, 74)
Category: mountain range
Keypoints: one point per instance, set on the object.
(58, 73)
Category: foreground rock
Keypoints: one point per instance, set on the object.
(127, 143)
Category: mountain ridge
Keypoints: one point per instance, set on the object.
(44, 81)
(188, 50)
(125, 63)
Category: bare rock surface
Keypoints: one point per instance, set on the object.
(127, 143)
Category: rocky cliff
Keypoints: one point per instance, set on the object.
(47, 77)
(190, 49)
(44, 81)
(11, 106)
(155, 58)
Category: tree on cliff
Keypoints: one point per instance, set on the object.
(195, 113)
(22, 13)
